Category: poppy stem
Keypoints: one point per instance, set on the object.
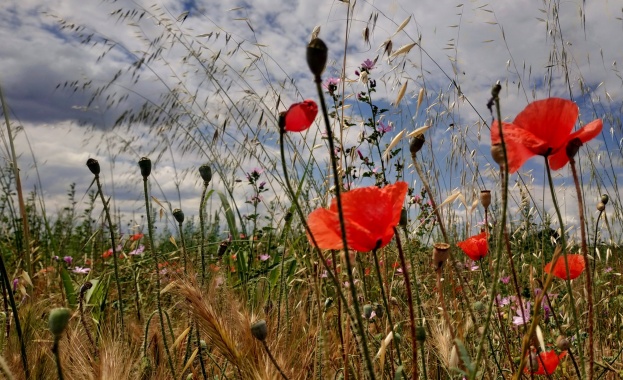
(589, 283)
(338, 192)
(563, 242)
(405, 272)
(377, 267)
(330, 272)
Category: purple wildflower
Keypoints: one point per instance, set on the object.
(68, 260)
(15, 284)
(384, 128)
(367, 65)
(81, 270)
(137, 251)
(522, 317)
(264, 257)
(505, 279)
(608, 270)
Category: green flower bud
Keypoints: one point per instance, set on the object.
(601, 207)
(478, 306)
(404, 218)
(420, 333)
(259, 330)
(94, 166)
(205, 171)
(605, 198)
(367, 311)
(178, 214)
(145, 164)
(59, 318)
(317, 54)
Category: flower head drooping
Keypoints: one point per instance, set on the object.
(300, 116)
(370, 216)
(547, 363)
(576, 267)
(544, 128)
(476, 247)
(367, 65)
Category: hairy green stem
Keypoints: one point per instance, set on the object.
(57, 356)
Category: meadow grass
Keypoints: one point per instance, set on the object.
(251, 291)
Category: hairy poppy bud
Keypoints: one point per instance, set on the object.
(485, 198)
(573, 147)
(601, 206)
(94, 166)
(478, 307)
(495, 90)
(605, 198)
(58, 320)
(145, 164)
(367, 311)
(404, 218)
(441, 251)
(416, 144)
(259, 330)
(178, 214)
(420, 333)
(562, 343)
(317, 53)
(282, 122)
(497, 152)
(205, 171)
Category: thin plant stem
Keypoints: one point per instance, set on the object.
(442, 301)
(18, 187)
(203, 234)
(57, 356)
(338, 192)
(18, 326)
(386, 304)
(405, 273)
(114, 250)
(589, 283)
(155, 257)
(563, 241)
(272, 359)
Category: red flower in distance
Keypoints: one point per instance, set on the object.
(548, 362)
(576, 267)
(370, 215)
(136, 236)
(300, 116)
(543, 128)
(476, 247)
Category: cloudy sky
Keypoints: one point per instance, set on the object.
(206, 78)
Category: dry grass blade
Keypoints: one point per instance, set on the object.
(402, 26)
(402, 50)
(393, 143)
(418, 131)
(401, 93)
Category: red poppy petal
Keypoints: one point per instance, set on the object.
(558, 159)
(551, 120)
(300, 116)
(396, 193)
(588, 132)
(325, 226)
(576, 267)
(514, 138)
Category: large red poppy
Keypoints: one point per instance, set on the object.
(548, 362)
(476, 247)
(576, 267)
(370, 215)
(300, 116)
(543, 128)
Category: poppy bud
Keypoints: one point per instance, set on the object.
(562, 343)
(327, 303)
(94, 166)
(367, 311)
(485, 198)
(205, 171)
(222, 248)
(58, 320)
(416, 144)
(497, 152)
(317, 57)
(604, 198)
(145, 164)
(259, 330)
(478, 307)
(420, 333)
(601, 207)
(404, 218)
(573, 147)
(441, 251)
(178, 214)
(282, 122)
(495, 90)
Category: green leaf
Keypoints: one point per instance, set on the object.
(229, 215)
(68, 285)
(467, 360)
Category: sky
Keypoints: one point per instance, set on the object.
(232, 65)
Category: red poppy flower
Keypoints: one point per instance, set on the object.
(543, 128)
(476, 247)
(548, 362)
(576, 267)
(370, 216)
(300, 116)
(107, 254)
(136, 236)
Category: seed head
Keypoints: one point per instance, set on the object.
(497, 152)
(605, 198)
(259, 330)
(145, 164)
(441, 251)
(94, 166)
(317, 53)
(416, 144)
(601, 207)
(485, 198)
